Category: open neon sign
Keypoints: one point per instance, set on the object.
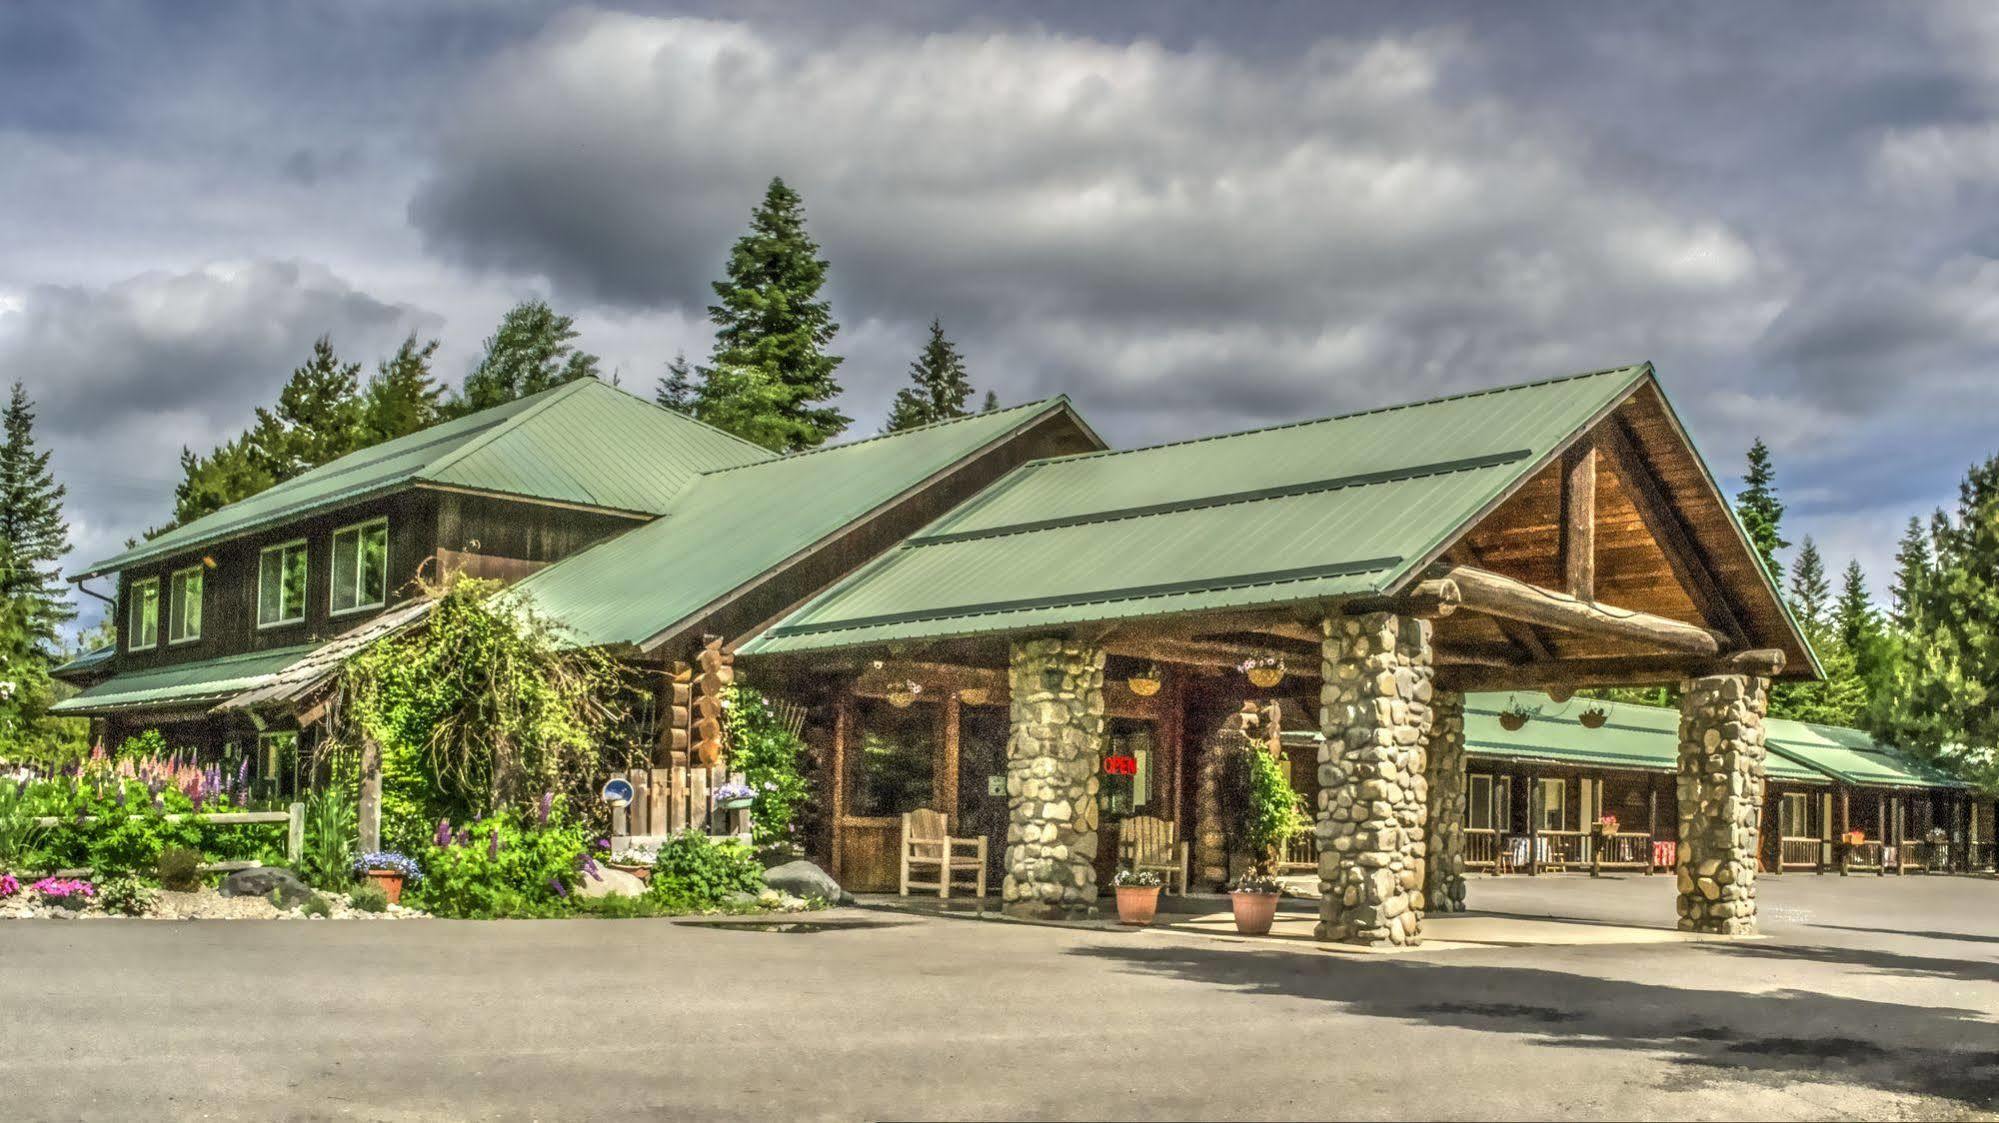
(1121, 765)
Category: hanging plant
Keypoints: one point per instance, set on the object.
(1263, 671)
(1560, 694)
(1146, 682)
(1593, 718)
(902, 694)
(1514, 717)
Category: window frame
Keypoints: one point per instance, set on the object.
(305, 594)
(174, 586)
(1560, 806)
(1803, 802)
(1472, 785)
(333, 566)
(140, 585)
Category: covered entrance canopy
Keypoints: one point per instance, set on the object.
(1552, 535)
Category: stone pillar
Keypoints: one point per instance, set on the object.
(1374, 708)
(1444, 885)
(1214, 865)
(1721, 797)
(1051, 778)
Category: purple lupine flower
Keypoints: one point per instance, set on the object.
(442, 837)
(198, 798)
(493, 849)
(561, 890)
(159, 804)
(464, 836)
(603, 844)
(243, 773)
(541, 812)
(121, 797)
(590, 867)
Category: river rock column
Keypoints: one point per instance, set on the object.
(1051, 779)
(1374, 709)
(1721, 792)
(1214, 865)
(1444, 887)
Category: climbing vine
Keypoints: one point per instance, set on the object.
(772, 759)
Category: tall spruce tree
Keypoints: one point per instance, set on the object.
(402, 397)
(1761, 512)
(1858, 627)
(1912, 568)
(33, 533)
(771, 370)
(1811, 592)
(533, 350)
(1840, 697)
(676, 390)
(940, 387)
(991, 403)
(317, 418)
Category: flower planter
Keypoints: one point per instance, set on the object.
(735, 804)
(1512, 720)
(1265, 677)
(1136, 904)
(391, 883)
(1254, 912)
(643, 873)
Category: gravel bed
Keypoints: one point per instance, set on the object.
(206, 904)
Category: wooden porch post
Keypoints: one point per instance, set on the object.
(1651, 820)
(1533, 821)
(368, 813)
(1845, 827)
(1881, 827)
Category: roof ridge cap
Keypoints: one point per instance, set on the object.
(1636, 369)
(1042, 404)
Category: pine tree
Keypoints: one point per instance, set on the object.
(230, 472)
(33, 533)
(1854, 620)
(770, 368)
(317, 419)
(1912, 567)
(940, 387)
(1840, 697)
(402, 397)
(991, 402)
(1761, 512)
(532, 351)
(1811, 593)
(676, 390)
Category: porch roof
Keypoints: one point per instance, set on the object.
(1852, 757)
(182, 684)
(1340, 507)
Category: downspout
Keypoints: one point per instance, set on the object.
(81, 587)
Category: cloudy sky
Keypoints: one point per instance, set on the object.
(1190, 219)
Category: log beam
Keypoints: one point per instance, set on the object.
(1577, 674)
(1579, 520)
(1689, 567)
(1504, 597)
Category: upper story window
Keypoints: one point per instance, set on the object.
(360, 566)
(184, 606)
(143, 628)
(281, 584)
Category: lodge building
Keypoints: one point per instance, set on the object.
(971, 616)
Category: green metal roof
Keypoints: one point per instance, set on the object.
(1338, 507)
(182, 683)
(732, 526)
(86, 662)
(1647, 738)
(584, 442)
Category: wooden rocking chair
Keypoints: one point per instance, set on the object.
(1146, 843)
(927, 845)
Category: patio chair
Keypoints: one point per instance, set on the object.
(927, 845)
(1147, 843)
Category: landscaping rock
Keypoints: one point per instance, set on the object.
(610, 883)
(803, 879)
(266, 880)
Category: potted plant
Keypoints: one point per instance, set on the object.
(389, 870)
(1137, 896)
(638, 863)
(1254, 900)
(1606, 826)
(734, 797)
(1264, 671)
(1593, 717)
(1513, 718)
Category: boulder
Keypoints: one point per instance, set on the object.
(803, 879)
(610, 883)
(266, 880)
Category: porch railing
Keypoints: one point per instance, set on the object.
(1978, 856)
(1564, 849)
(1865, 857)
(1927, 857)
(1301, 853)
(1799, 853)
(1481, 848)
(1625, 850)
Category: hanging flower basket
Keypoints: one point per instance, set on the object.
(1560, 694)
(1263, 671)
(1146, 682)
(1593, 718)
(1513, 718)
(734, 797)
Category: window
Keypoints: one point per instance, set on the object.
(360, 566)
(184, 606)
(281, 584)
(1793, 811)
(143, 628)
(1554, 804)
(1478, 802)
(893, 767)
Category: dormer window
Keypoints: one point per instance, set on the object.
(281, 584)
(360, 566)
(142, 628)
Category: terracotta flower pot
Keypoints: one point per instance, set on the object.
(1254, 912)
(1136, 904)
(391, 883)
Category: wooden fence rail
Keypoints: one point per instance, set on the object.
(667, 801)
(293, 818)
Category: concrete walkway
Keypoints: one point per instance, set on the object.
(1871, 998)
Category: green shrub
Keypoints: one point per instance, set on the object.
(701, 872)
(331, 834)
(772, 760)
(19, 836)
(315, 905)
(126, 896)
(179, 869)
(368, 897)
(518, 864)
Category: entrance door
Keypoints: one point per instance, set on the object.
(982, 799)
(891, 759)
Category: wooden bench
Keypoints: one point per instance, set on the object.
(1147, 843)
